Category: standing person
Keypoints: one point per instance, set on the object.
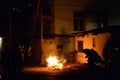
(5, 59)
(16, 61)
(22, 52)
(106, 53)
(29, 55)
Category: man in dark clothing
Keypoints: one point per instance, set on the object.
(5, 59)
(106, 53)
(93, 57)
(96, 57)
(17, 64)
(89, 56)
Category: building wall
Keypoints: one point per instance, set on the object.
(100, 41)
(64, 10)
(63, 24)
(96, 42)
(58, 46)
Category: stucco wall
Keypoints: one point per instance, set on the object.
(99, 41)
(58, 46)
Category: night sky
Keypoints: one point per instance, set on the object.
(19, 13)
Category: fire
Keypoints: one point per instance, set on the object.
(54, 63)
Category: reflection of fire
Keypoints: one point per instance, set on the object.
(54, 63)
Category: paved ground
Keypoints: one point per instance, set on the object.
(70, 72)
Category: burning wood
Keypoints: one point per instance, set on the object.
(54, 63)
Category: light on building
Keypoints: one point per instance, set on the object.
(0, 42)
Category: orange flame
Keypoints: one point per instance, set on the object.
(53, 63)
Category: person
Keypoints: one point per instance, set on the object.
(90, 57)
(5, 59)
(93, 57)
(106, 53)
(29, 53)
(114, 66)
(17, 64)
(22, 52)
(96, 57)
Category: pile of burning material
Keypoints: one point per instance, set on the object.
(54, 63)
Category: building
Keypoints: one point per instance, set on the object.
(65, 22)
(59, 26)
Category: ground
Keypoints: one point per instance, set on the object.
(69, 72)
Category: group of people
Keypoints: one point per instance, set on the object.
(13, 59)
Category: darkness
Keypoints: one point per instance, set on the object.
(3, 16)
(104, 5)
(17, 14)
(20, 16)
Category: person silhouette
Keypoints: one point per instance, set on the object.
(106, 53)
(90, 57)
(96, 57)
(5, 60)
(17, 64)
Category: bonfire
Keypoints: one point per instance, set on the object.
(54, 63)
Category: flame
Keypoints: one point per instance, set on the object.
(54, 63)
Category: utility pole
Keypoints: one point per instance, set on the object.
(42, 53)
(10, 25)
(39, 10)
(35, 20)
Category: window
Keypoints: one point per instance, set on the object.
(93, 42)
(102, 19)
(80, 46)
(79, 21)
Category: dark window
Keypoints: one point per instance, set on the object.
(93, 42)
(80, 46)
(102, 20)
(79, 21)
